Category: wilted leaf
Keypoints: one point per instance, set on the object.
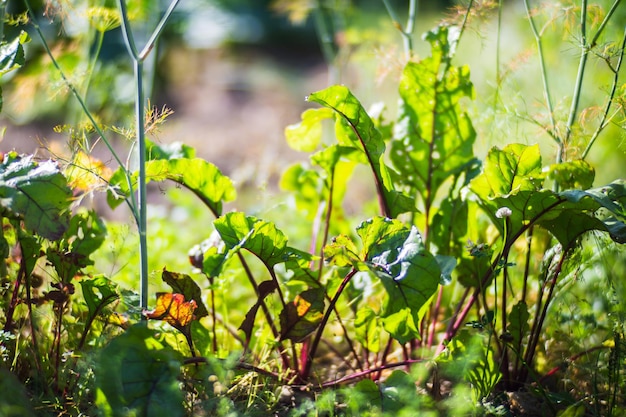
(185, 285)
(174, 309)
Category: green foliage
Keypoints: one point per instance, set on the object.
(457, 290)
(36, 193)
(137, 375)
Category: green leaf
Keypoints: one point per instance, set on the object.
(185, 285)
(433, 138)
(305, 185)
(35, 192)
(354, 128)
(262, 238)
(137, 375)
(98, 293)
(470, 356)
(410, 274)
(12, 53)
(512, 178)
(572, 174)
(367, 329)
(518, 324)
(174, 164)
(84, 236)
(174, 150)
(508, 171)
(342, 252)
(307, 135)
(14, 401)
(301, 317)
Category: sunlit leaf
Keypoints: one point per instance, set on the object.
(434, 138)
(262, 238)
(367, 329)
(12, 53)
(185, 285)
(307, 135)
(302, 316)
(508, 171)
(354, 128)
(572, 174)
(202, 178)
(342, 252)
(409, 273)
(512, 178)
(35, 192)
(174, 309)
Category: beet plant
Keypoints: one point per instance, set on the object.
(441, 297)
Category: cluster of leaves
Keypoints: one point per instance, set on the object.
(451, 281)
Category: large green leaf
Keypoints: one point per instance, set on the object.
(137, 375)
(512, 179)
(202, 178)
(513, 169)
(409, 273)
(262, 238)
(434, 138)
(14, 401)
(35, 192)
(354, 128)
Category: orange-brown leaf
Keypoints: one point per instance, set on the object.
(173, 309)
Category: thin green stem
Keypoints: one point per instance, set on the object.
(157, 32)
(407, 30)
(606, 19)
(138, 59)
(544, 79)
(582, 64)
(603, 121)
(132, 202)
(498, 74)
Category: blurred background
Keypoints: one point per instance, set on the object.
(235, 73)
